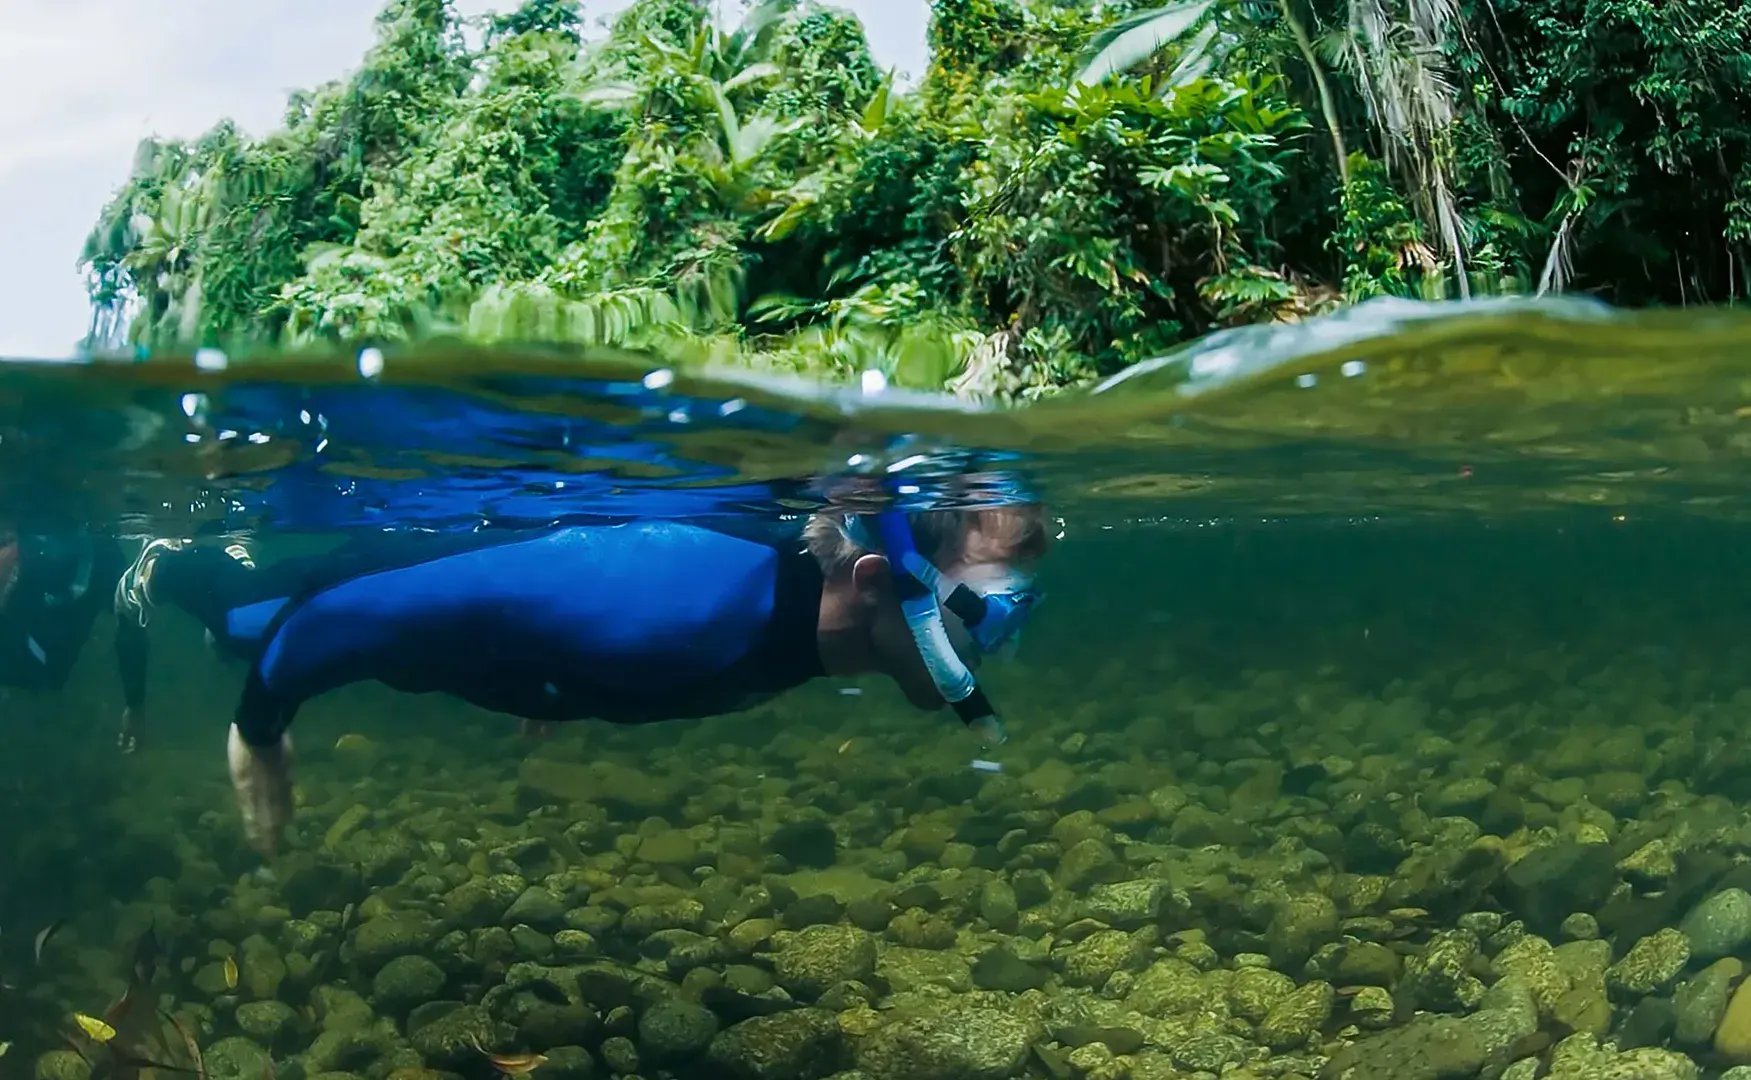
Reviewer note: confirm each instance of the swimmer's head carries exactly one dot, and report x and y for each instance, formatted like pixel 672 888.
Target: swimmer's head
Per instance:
pixel 992 551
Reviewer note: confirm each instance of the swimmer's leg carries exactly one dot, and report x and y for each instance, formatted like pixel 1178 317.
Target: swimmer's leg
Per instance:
pixel 258 752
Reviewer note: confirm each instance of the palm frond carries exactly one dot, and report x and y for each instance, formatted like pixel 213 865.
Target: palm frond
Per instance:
pixel 1136 38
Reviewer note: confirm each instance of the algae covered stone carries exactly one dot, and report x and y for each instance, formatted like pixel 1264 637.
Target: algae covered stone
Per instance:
pixel 1548 884
pixel 1168 986
pixel 817 957
pixel 998 905
pixel 671 847
pixel 1651 963
pixel 1295 1018
pixel 1701 1001
pixel 951 1044
pixel 674 1031
pixel 481 901
pixel 1091 961
pixel 1254 990
pixel 270 1023
pixel 1127 905
pixel 999 968
pixel 1429 1047
pixel 1440 978
pixel 1300 925
pixel 802 1044
pixel 62 1065
pixel 567 1063
pixel 405 982
pixel 380 940
pixel 236 1059
pixel 537 906
pixel 452 1041
pixel 810 843
pixel 1720 925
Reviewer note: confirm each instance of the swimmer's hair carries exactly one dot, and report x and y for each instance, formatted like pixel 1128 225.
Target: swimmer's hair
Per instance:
pixel 1015 534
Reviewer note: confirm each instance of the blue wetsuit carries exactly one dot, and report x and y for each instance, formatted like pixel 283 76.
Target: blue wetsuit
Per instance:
pixel 626 623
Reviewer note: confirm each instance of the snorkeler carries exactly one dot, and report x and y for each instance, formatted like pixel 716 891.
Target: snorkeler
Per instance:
pixel 627 623
pixel 54 582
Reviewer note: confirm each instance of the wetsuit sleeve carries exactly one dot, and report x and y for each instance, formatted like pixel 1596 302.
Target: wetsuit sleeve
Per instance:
pixel 131 650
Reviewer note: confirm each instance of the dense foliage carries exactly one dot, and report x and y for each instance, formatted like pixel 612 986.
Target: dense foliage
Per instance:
pixel 1073 186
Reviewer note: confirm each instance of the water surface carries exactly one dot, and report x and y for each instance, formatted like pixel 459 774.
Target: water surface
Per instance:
pixel 1379 640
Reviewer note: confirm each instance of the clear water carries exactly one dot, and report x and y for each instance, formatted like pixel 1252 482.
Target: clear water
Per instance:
pixel 1358 629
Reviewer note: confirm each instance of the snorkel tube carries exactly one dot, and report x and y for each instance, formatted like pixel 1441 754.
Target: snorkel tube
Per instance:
pixel 917 583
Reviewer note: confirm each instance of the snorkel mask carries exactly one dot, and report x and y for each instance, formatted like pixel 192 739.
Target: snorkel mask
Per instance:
pixel 992 619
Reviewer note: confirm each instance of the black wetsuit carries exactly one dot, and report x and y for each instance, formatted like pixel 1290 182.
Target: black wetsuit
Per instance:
pixel 627 623
pixel 60 583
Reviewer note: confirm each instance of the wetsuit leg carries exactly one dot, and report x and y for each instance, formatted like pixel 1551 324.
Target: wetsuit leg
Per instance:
pixel 262 719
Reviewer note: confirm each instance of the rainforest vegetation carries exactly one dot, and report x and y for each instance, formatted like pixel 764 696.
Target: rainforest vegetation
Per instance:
pixel 1069 187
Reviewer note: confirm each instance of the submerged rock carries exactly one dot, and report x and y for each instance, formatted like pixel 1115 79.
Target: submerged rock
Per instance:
pixel 799 1045
pixel 566 1063
pixel 481 901
pixel 818 957
pixel 451 1041
pixel 235 1059
pixel 1427 1048
pixel 1548 884
pixel 404 982
pixel 271 1023
pixel 537 906
pixel 1301 924
pixel 1733 1036
pixel 379 940
pixel 675 1031
pixel 998 968
pixel 1701 1001
pixel 63 1065
pixel 1651 963
pixel 1720 925
pixel 805 844
pixel 1128 905
pixel 1295 1018
pixel 1440 977
pixel 953 1044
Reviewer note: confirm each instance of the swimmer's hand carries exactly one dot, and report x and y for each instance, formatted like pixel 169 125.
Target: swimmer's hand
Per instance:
pixel 990 731
pixel 262 778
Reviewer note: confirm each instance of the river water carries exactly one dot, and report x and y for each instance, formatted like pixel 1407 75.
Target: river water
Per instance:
pixel 1386 716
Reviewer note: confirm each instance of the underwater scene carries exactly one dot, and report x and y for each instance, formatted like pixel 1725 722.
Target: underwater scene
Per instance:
pixel 1382 712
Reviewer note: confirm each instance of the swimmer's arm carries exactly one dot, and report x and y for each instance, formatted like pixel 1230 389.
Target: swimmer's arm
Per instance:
pixel 131 653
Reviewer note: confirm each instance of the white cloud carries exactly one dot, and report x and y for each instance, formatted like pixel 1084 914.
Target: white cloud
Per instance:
pixel 82 81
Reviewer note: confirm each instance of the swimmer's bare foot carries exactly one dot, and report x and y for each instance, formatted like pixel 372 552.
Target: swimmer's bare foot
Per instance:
pixel 262 779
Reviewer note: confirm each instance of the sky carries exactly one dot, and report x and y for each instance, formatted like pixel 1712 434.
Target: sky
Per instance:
pixel 83 81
